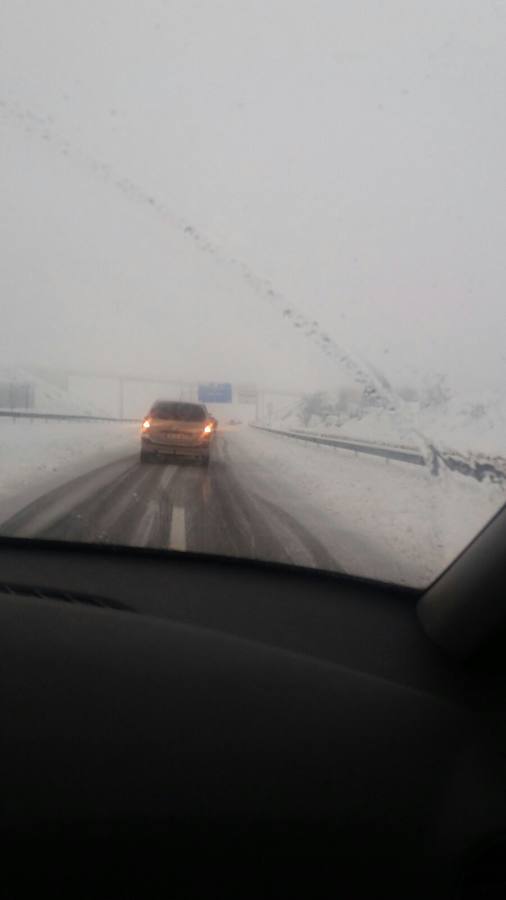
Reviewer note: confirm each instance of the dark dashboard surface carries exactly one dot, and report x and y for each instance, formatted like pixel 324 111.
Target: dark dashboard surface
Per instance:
pixel 229 699
pixel 370 626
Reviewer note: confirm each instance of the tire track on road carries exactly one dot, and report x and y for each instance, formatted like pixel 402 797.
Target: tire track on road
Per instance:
pixel 217 510
pixel 58 504
pixel 128 513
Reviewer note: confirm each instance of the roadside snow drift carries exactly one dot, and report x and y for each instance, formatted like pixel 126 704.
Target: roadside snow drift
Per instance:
pixel 380 519
pixel 34 454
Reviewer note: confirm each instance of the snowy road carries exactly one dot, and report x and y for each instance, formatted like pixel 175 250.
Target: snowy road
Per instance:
pixel 181 507
pixel 270 498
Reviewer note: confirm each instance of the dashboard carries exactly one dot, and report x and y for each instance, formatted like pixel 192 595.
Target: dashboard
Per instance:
pixel 217 716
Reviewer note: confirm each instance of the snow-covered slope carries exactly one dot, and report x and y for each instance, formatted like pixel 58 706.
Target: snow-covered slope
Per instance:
pixel 470 424
pixel 48 397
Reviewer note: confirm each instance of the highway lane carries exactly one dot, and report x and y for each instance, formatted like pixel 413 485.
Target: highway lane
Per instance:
pixel 176 505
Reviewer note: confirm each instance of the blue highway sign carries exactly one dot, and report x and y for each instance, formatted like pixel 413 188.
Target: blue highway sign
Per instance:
pixel 215 393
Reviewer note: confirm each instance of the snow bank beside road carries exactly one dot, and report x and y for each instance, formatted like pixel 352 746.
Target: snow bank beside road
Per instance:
pixel 380 519
pixel 46 397
pixel 473 425
pixel 35 454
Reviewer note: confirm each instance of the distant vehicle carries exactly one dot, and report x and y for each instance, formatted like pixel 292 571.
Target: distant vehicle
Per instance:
pixel 173 428
pixel 234 422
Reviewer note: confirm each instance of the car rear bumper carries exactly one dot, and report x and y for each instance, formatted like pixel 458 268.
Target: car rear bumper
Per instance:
pixel 188 450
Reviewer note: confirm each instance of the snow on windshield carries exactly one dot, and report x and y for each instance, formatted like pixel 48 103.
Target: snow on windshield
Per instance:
pixel 288 213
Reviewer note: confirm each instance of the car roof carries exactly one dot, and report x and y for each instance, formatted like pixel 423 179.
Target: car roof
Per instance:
pixel 194 403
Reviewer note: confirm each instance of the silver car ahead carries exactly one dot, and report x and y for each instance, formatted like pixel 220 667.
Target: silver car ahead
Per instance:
pixel 174 428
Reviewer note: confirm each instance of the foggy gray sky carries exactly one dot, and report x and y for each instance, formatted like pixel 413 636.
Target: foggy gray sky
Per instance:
pixel 351 152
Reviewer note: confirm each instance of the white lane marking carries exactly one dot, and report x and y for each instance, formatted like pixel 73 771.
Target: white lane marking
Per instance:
pixel 177 539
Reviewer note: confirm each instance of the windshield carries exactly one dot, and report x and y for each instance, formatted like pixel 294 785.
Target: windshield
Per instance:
pixel 281 219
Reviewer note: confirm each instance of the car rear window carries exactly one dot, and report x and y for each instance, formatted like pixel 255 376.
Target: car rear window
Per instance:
pixel 185 412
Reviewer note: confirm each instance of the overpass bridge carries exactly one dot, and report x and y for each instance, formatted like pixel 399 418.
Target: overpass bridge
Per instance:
pixel 262 397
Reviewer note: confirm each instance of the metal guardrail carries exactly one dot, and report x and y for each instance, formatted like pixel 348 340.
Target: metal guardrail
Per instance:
pixel 58 417
pixel 477 467
pixel 403 454
pixel 363 441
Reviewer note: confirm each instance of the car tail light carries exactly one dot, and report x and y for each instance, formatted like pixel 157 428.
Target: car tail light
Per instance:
pixel 208 429
pixel 146 424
